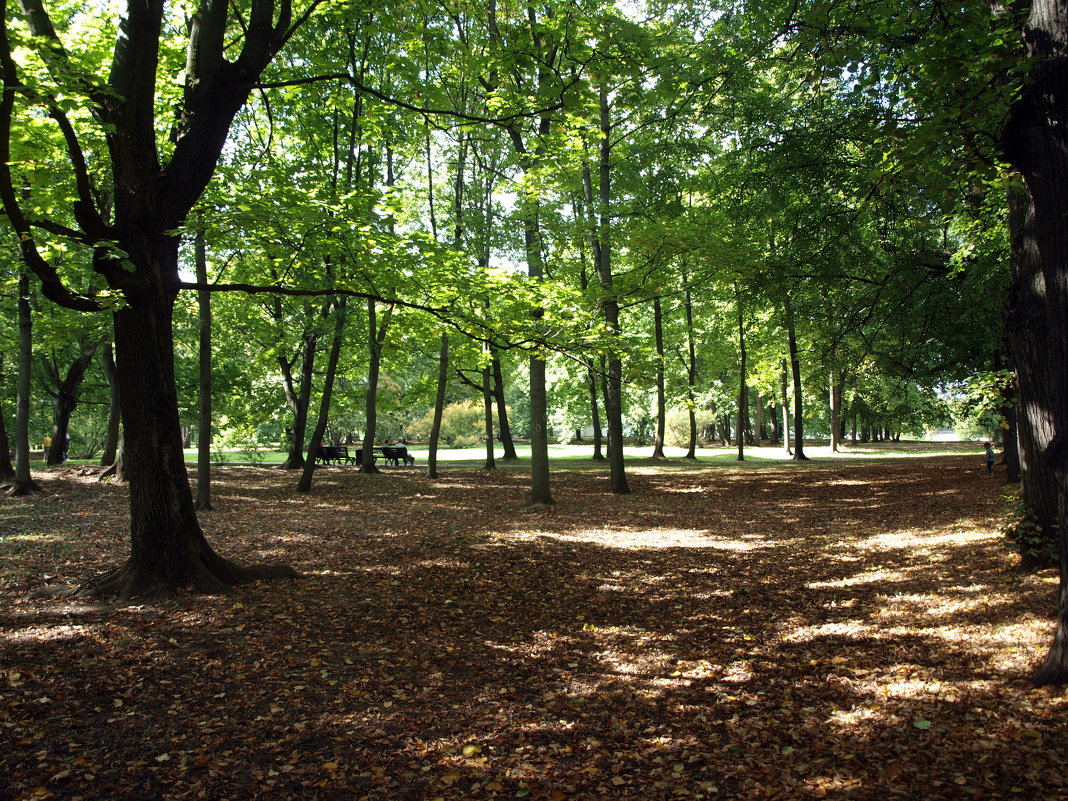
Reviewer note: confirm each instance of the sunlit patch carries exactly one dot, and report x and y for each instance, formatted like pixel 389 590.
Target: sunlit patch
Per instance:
pixel 867 577
pixel 45 633
pixel 653 539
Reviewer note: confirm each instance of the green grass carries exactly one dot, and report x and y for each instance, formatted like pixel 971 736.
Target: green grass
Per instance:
pixel 580 455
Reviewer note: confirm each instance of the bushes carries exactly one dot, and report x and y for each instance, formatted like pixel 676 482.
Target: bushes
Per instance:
pixel 463 425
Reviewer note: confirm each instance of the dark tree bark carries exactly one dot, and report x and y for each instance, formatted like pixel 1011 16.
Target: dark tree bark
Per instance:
pixel 148 201
pixel 1035 142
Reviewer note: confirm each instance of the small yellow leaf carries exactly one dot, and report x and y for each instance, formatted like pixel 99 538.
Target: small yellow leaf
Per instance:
pixel 471 750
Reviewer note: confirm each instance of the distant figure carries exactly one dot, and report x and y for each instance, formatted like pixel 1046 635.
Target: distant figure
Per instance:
pixel 66 447
pixel 990 456
pixel 47 445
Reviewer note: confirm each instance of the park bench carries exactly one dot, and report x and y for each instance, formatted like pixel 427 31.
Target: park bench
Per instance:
pixel 397 455
pixel 334 454
pixel 340 454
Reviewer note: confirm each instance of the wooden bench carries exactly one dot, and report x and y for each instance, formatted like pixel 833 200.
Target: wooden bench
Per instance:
pixel 340 454
pixel 334 454
pixel 397 455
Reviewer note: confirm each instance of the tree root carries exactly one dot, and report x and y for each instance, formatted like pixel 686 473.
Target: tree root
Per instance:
pixel 212 575
pixel 21 488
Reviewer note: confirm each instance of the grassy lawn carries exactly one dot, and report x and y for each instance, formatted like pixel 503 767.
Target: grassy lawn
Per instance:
pixel 577 455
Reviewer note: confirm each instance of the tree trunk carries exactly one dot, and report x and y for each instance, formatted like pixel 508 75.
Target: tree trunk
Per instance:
pixel 439 408
pixel 691 372
pixel 795 370
pixel 24 483
pixel 7 467
pixel 743 393
pixel 595 415
pixel 661 394
pixel 375 338
pixel 66 393
pixel 204 418
pixel 836 410
pixel 785 407
pixel 299 400
pixel 602 252
pixel 487 405
pixel 507 442
pixel 168 549
pixel 111 439
pixel 305 483
pixel 1035 142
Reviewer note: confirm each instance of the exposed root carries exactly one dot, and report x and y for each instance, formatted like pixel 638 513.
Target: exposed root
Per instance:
pixel 22 488
pixel 129 581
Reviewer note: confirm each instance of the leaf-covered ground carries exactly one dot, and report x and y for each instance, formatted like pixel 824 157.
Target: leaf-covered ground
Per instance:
pixel 829 630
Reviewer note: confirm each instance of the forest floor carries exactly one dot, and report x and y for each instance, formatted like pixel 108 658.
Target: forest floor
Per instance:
pixel 827 630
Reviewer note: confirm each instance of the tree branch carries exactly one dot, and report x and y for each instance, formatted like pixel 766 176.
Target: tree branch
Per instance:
pixel 51 284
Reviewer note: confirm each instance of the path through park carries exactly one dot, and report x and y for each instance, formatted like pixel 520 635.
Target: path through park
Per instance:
pixel 829 630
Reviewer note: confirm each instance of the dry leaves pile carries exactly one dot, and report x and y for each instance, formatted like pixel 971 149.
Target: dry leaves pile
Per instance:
pixel 817 631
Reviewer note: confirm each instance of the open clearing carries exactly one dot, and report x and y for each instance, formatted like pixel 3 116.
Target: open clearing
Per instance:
pixel 831 630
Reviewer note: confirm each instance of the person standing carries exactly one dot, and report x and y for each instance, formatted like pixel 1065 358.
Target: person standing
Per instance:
pixel 990 456
pixel 47 444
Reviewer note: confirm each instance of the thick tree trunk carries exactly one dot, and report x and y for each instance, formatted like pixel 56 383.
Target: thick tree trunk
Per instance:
pixel 439 408
pixel 168 550
pixel 1035 142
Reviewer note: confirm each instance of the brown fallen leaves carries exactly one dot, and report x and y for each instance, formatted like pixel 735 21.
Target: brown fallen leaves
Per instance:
pixel 828 630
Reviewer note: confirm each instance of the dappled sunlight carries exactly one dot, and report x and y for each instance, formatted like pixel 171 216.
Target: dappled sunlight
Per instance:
pixel 44 633
pixel 651 539
pixel 722 632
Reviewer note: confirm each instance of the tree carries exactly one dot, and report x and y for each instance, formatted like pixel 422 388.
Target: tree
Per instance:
pixel 1035 143
pixel 126 220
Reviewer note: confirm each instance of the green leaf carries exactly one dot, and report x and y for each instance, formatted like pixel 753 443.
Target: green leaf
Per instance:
pixel 922 724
